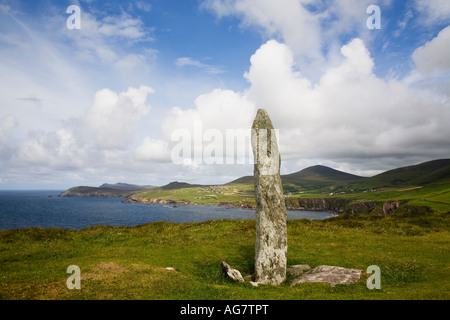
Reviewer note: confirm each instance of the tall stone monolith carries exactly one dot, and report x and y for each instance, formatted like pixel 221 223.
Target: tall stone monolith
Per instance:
pixel 271 233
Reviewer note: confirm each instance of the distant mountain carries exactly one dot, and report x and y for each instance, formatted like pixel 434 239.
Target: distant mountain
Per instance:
pixel 319 174
pixel 106 190
pixel 178 185
pixel 94 192
pixel 123 186
pixel 322 177
pixel 316 178
pixel 310 178
pixel 242 180
pixel 436 171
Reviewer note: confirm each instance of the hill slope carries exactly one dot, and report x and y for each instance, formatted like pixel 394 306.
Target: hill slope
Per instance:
pixel 322 177
pixel 436 171
pixel 123 186
pixel 317 177
pixel 94 192
pixel 179 185
pixel 314 177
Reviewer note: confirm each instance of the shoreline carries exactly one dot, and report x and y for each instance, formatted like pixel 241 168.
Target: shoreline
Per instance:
pixel 291 205
pixel 335 206
pixel 229 205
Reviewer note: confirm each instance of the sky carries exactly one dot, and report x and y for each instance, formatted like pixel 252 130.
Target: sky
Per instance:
pixel 146 92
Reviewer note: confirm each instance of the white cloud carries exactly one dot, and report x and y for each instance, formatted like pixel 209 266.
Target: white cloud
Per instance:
pixel 7 148
pixel 112 116
pixel 404 22
pixel 144 6
pixel 39 84
pixel 102 138
pixel 219 109
pixel 7 123
pixel 51 150
pixel 205 127
pixel 349 114
pixel 113 27
pixel 130 61
pixel 96 40
pixel 287 19
pixel 122 26
pixel 311 29
pixel 433 11
pixel 153 149
pixel 188 61
pixel 434 57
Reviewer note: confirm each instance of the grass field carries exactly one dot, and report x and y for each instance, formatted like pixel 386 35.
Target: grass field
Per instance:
pixel 435 196
pixel 412 252
pixel 204 195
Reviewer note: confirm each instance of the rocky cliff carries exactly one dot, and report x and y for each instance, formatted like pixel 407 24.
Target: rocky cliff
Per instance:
pixel 340 205
pixel 93 192
pixel 335 205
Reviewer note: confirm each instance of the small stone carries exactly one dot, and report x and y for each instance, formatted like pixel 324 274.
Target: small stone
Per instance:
pixel 231 273
pixel 254 284
pixel 170 269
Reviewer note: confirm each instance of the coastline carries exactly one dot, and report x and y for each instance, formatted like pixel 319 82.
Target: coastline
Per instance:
pixel 333 205
pixel 230 205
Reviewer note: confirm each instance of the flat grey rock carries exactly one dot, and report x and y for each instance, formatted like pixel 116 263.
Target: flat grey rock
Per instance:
pixel 329 274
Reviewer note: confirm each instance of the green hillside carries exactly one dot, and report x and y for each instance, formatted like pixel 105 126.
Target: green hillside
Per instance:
pixel 426 184
pixel 322 179
pixel 436 171
pixel 320 174
pixel 311 178
pixel 319 177
pixel 94 192
pixel 123 186
pixel 241 180
pixel 178 185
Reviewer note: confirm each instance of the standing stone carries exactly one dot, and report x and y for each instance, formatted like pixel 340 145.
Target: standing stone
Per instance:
pixel 271 233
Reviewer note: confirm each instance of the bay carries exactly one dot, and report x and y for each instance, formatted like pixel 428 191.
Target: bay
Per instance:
pixel 24 209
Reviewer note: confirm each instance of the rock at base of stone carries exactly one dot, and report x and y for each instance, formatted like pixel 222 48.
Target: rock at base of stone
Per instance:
pixel 329 274
pixel 297 270
pixel 231 273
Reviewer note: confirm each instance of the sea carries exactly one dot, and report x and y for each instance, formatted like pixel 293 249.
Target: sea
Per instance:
pixel 25 209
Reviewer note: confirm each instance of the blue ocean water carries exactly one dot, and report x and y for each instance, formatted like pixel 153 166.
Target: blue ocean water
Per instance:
pixel 23 209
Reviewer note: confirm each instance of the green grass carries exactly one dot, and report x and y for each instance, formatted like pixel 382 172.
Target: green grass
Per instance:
pixel 412 252
pixel 236 194
pixel 434 196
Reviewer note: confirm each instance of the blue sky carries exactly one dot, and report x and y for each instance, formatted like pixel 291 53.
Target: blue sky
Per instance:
pixel 100 104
